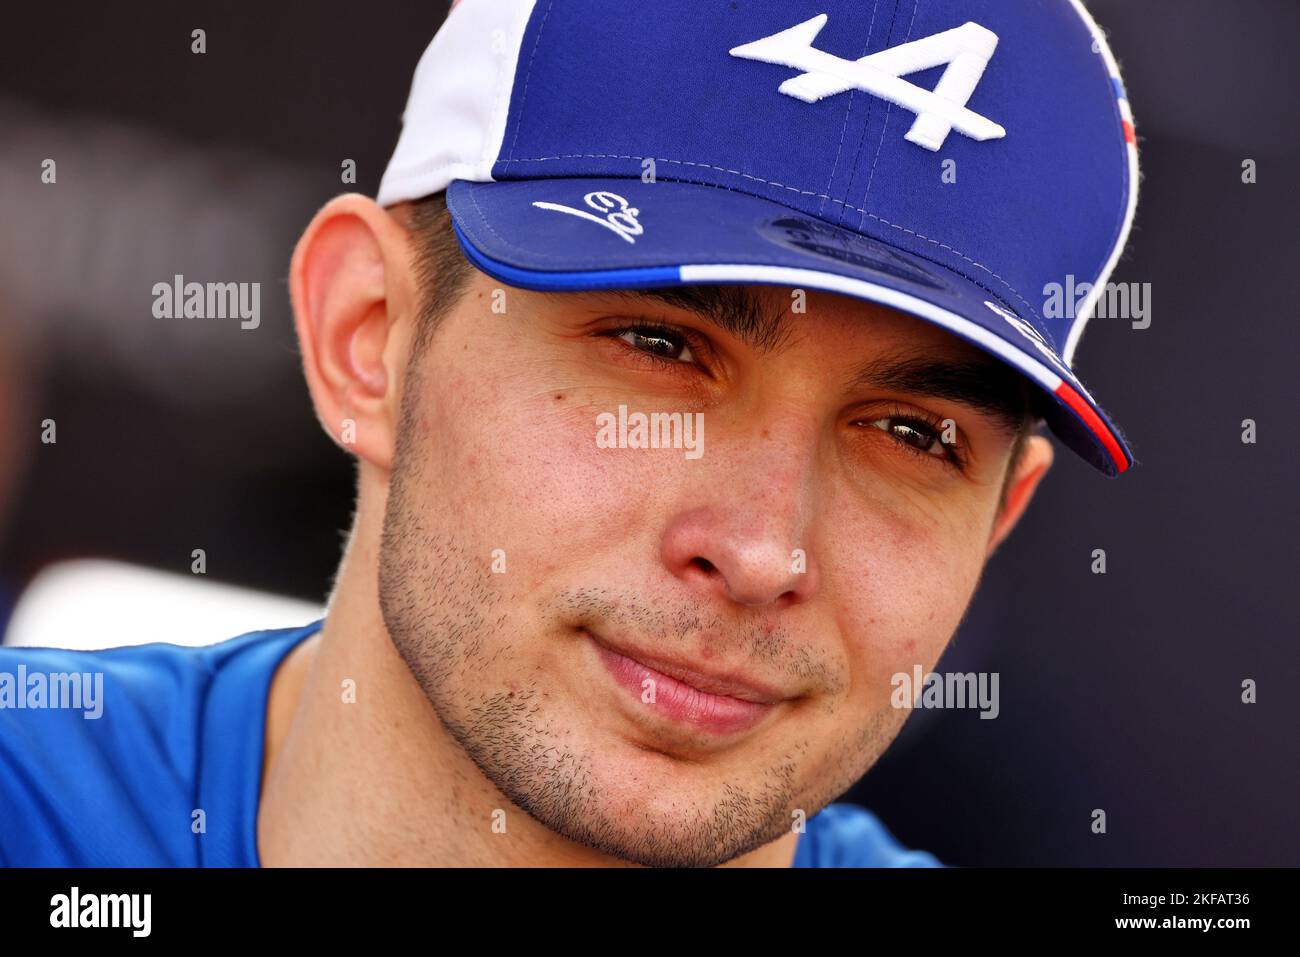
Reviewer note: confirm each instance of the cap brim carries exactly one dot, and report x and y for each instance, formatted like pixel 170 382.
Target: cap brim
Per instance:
pixel 546 235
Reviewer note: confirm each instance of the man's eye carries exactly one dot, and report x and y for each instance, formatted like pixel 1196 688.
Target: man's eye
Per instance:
pixel 915 434
pixel 661 343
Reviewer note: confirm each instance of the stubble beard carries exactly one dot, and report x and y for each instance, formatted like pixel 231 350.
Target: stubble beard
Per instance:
pixel 446 617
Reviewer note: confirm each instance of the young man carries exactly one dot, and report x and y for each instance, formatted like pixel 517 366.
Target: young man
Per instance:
pixel 691 359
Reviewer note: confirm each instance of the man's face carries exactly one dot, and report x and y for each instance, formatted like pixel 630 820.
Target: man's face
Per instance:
pixel 545 588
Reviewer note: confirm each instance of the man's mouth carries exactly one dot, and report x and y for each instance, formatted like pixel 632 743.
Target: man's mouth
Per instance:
pixel 720 704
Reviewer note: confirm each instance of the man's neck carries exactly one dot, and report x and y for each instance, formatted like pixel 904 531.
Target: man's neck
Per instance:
pixel 359 771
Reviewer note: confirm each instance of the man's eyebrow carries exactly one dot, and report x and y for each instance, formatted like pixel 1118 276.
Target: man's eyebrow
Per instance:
pixel 733 309
pixel 987 386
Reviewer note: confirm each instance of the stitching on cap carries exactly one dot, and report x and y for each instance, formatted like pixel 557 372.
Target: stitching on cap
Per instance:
pixel 888 113
pixel 830 181
pixel 871 112
pixel 801 192
pixel 529 74
pixel 499 102
pixel 478 210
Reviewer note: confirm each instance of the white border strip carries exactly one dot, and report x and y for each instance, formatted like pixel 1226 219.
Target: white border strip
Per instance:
pixel 1090 303
pixel 861 289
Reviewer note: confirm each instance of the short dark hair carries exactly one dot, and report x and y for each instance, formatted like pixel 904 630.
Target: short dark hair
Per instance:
pixel 441 269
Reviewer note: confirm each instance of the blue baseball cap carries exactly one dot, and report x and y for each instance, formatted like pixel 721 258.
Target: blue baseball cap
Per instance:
pixel 951 159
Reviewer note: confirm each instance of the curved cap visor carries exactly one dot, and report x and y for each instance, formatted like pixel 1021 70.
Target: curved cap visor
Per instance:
pixel 578 234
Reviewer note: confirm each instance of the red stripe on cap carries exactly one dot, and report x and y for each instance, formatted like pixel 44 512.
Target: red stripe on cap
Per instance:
pixel 1081 408
pixel 1129 135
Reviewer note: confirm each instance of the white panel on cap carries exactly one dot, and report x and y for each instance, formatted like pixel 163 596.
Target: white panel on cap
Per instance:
pixel 455 119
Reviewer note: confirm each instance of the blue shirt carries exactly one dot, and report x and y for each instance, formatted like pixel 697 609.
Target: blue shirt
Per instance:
pixel 162 765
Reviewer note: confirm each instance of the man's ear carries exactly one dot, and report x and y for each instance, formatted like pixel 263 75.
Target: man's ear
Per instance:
pixel 353 307
pixel 1035 460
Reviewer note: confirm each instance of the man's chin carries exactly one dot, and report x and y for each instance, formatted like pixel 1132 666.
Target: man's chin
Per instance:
pixel 644 810
pixel 710 841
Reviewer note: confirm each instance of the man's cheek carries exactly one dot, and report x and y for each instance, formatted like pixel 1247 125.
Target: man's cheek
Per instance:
pixel 911 591
pixel 531 468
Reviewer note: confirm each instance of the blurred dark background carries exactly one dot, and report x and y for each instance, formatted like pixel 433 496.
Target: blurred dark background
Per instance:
pixel 1119 691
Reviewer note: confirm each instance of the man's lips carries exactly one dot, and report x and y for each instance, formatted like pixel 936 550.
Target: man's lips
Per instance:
pixel 722 704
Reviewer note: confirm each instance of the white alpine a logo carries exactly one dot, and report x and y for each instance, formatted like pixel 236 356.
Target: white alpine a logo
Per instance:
pixel 966 49
pixel 620 218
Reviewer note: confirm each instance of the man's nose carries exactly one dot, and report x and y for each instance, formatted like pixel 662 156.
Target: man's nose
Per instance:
pixel 742 532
